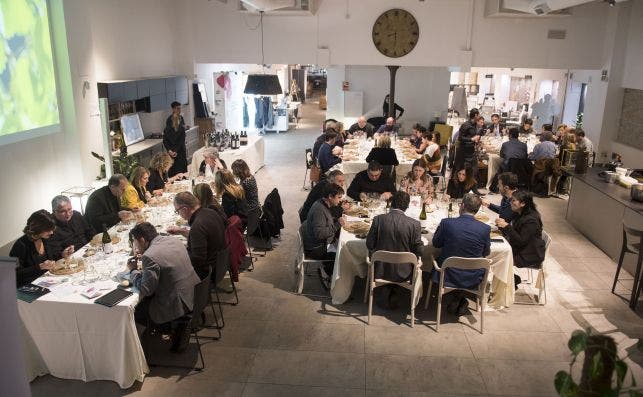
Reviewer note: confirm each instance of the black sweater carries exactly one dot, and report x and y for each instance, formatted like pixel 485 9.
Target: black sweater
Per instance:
pixel 29 260
pixel 525 237
pixel 362 184
pixel 76 232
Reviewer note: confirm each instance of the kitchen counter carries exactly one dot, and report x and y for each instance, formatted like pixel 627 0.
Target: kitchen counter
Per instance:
pixel 598 210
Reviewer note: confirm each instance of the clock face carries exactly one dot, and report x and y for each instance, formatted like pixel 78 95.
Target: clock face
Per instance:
pixel 395 33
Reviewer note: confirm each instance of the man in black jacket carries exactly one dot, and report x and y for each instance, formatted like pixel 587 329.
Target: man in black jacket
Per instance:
pixel 336 177
pixel 206 236
pixel 371 181
pixel 72 230
pixel 466 145
pixel 103 206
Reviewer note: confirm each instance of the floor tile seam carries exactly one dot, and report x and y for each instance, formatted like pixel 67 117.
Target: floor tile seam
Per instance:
pixel 289 384
pixel 419 355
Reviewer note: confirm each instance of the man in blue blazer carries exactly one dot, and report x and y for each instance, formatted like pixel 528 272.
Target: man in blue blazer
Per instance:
pixel 466 237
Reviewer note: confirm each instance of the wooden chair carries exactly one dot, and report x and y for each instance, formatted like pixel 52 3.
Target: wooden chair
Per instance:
pixel 456 262
pixel 392 259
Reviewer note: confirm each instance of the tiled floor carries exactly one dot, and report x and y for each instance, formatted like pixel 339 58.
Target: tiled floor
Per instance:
pixel 279 344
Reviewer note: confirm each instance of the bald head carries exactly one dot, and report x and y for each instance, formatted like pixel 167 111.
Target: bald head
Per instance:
pixel 390 121
pixel 361 121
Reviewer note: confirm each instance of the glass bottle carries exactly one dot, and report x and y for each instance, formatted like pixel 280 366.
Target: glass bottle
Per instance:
pixel 107 241
pixel 423 212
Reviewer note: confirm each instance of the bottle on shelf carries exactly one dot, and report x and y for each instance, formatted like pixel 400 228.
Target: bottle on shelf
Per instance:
pixel 107 241
pixel 423 212
pixel 244 138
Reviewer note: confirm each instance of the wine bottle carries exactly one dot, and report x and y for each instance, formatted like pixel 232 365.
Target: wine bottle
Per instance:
pixel 423 212
pixel 107 241
pixel 450 210
pixel 244 138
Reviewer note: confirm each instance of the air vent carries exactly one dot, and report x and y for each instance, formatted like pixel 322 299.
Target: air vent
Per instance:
pixel 556 34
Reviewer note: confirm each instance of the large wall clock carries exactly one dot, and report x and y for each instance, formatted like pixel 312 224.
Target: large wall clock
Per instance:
pixel 395 33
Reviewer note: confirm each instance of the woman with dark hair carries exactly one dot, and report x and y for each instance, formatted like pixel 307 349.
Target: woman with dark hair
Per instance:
pixel 461 183
pixel 241 171
pixel 203 192
pixel 418 183
pixel 232 195
pixel 524 233
pixel 33 260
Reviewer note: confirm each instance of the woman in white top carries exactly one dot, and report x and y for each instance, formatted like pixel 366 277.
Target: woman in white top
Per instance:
pixel 428 147
pixel 211 163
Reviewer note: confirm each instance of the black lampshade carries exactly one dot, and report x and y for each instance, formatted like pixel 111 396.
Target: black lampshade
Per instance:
pixel 263 84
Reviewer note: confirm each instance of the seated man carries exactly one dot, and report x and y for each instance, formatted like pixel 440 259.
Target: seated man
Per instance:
pixel 512 149
pixel 334 177
pixel 103 205
pixel 466 237
pixel 395 232
pixel 583 143
pixel 206 236
pixel 507 185
pixel 416 135
pixel 321 228
pixel 72 230
pixel 362 127
pixel 546 149
pixel 389 128
pixel 371 182
pixel 326 156
pixel 495 128
pixel 328 124
pixel 166 282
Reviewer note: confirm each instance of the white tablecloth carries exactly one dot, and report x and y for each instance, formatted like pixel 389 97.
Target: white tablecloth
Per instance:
pixel 69 336
pixel 350 168
pixel 492 146
pixel 252 153
pixel 352 252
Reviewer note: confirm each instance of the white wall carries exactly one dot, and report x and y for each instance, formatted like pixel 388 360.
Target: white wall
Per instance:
pixel 105 40
pixel 421 91
pixel 446 36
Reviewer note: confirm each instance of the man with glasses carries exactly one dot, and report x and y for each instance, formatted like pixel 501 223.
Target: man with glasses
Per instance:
pixel 72 230
pixel 371 182
pixel 206 236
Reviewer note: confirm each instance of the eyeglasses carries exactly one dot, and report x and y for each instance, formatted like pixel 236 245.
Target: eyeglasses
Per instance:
pixel 176 211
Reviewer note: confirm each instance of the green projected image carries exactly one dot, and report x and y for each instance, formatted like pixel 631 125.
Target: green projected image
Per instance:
pixel 27 81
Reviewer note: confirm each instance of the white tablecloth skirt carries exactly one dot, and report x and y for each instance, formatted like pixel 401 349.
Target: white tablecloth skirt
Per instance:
pixel 82 340
pixel 351 261
pixel 252 153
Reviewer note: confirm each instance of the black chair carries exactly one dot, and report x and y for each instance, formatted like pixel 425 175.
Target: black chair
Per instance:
pixel 523 168
pixel 201 300
pixel 254 230
pixel 630 246
pixel 220 270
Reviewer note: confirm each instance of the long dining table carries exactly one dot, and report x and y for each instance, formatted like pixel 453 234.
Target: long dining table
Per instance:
pixel 68 336
pixel 350 261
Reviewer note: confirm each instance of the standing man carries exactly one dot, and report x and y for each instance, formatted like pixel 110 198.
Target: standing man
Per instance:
pixel 466 237
pixel 583 143
pixel 103 205
pixel 466 144
pixel 174 140
pixel 362 127
pixel 206 236
pixel 72 230
pixel 166 282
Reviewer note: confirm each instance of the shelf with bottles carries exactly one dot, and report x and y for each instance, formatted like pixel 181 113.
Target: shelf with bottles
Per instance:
pixel 224 139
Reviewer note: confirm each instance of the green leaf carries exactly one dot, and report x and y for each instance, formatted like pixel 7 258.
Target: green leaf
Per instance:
pixel 578 342
pixel 565 385
pixel 597 365
pixel 621 371
pixel 639 345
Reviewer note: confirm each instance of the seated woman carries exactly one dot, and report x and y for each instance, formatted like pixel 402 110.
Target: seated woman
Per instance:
pixel 241 171
pixel 461 183
pixel 524 233
pixel 383 153
pixel 342 134
pixel 159 166
pixel 232 195
pixel 418 183
pixel 428 146
pixel 136 195
pixel 211 163
pixel 33 260
pixel 203 192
